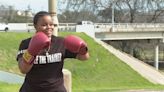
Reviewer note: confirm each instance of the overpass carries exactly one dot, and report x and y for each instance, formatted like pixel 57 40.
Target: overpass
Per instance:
pixel 126 31
pixel 118 31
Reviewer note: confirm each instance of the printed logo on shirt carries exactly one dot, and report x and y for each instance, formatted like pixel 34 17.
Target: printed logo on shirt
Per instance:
pixel 44 59
pixel 52 58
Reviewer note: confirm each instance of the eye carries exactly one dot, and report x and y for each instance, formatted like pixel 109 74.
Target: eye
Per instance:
pixel 43 25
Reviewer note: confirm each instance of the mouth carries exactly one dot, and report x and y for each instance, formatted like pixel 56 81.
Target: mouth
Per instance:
pixel 48 33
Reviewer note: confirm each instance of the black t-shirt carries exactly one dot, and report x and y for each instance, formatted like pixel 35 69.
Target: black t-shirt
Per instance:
pixel 46 74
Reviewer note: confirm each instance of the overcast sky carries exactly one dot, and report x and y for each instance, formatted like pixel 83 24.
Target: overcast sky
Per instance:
pixel 36 5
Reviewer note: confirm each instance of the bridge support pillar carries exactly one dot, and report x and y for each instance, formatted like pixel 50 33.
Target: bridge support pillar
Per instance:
pixel 156 57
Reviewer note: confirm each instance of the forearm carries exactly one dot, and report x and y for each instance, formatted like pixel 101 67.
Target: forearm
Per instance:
pixel 83 57
pixel 23 66
pixel 37 43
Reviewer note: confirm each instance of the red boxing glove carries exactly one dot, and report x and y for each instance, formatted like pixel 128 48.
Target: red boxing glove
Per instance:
pixel 38 42
pixel 75 44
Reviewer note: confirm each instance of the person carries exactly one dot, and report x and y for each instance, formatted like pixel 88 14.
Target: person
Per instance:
pixel 41 57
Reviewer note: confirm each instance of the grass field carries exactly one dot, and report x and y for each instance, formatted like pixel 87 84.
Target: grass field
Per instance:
pixel 4 87
pixel 103 72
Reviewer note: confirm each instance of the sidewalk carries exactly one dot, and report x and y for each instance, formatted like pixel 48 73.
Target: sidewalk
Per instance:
pixel 145 70
pixel 11 78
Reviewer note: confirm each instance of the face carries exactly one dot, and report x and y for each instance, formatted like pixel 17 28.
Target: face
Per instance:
pixel 45 24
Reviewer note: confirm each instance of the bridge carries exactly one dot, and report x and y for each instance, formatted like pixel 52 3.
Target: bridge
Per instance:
pixel 118 31
pixel 123 31
pixel 126 31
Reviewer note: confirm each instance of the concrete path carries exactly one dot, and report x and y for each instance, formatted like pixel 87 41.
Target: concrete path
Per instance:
pixel 11 78
pixel 145 70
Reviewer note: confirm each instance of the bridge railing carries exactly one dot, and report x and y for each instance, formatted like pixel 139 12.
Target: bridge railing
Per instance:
pixel 67 27
pixel 126 27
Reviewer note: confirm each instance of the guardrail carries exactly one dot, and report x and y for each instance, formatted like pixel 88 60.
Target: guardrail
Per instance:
pixel 132 24
pixel 127 27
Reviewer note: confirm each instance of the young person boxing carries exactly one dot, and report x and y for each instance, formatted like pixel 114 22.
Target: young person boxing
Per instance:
pixel 41 57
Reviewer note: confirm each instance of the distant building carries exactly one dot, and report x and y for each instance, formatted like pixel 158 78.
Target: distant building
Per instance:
pixel 25 13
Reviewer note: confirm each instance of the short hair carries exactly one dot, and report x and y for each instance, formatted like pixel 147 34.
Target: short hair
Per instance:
pixel 39 15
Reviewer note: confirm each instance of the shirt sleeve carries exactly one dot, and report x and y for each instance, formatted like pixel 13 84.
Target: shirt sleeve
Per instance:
pixel 69 54
pixel 21 50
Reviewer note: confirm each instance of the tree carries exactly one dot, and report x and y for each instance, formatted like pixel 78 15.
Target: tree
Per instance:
pixel 126 11
pixel 155 10
pixel 75 16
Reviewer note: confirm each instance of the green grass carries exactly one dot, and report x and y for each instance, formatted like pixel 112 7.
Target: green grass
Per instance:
pixel 103 72
pixel 9 43
pixel 4 87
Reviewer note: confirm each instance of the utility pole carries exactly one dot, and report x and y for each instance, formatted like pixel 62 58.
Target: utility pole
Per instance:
pixel 52 5
pixel 113 6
